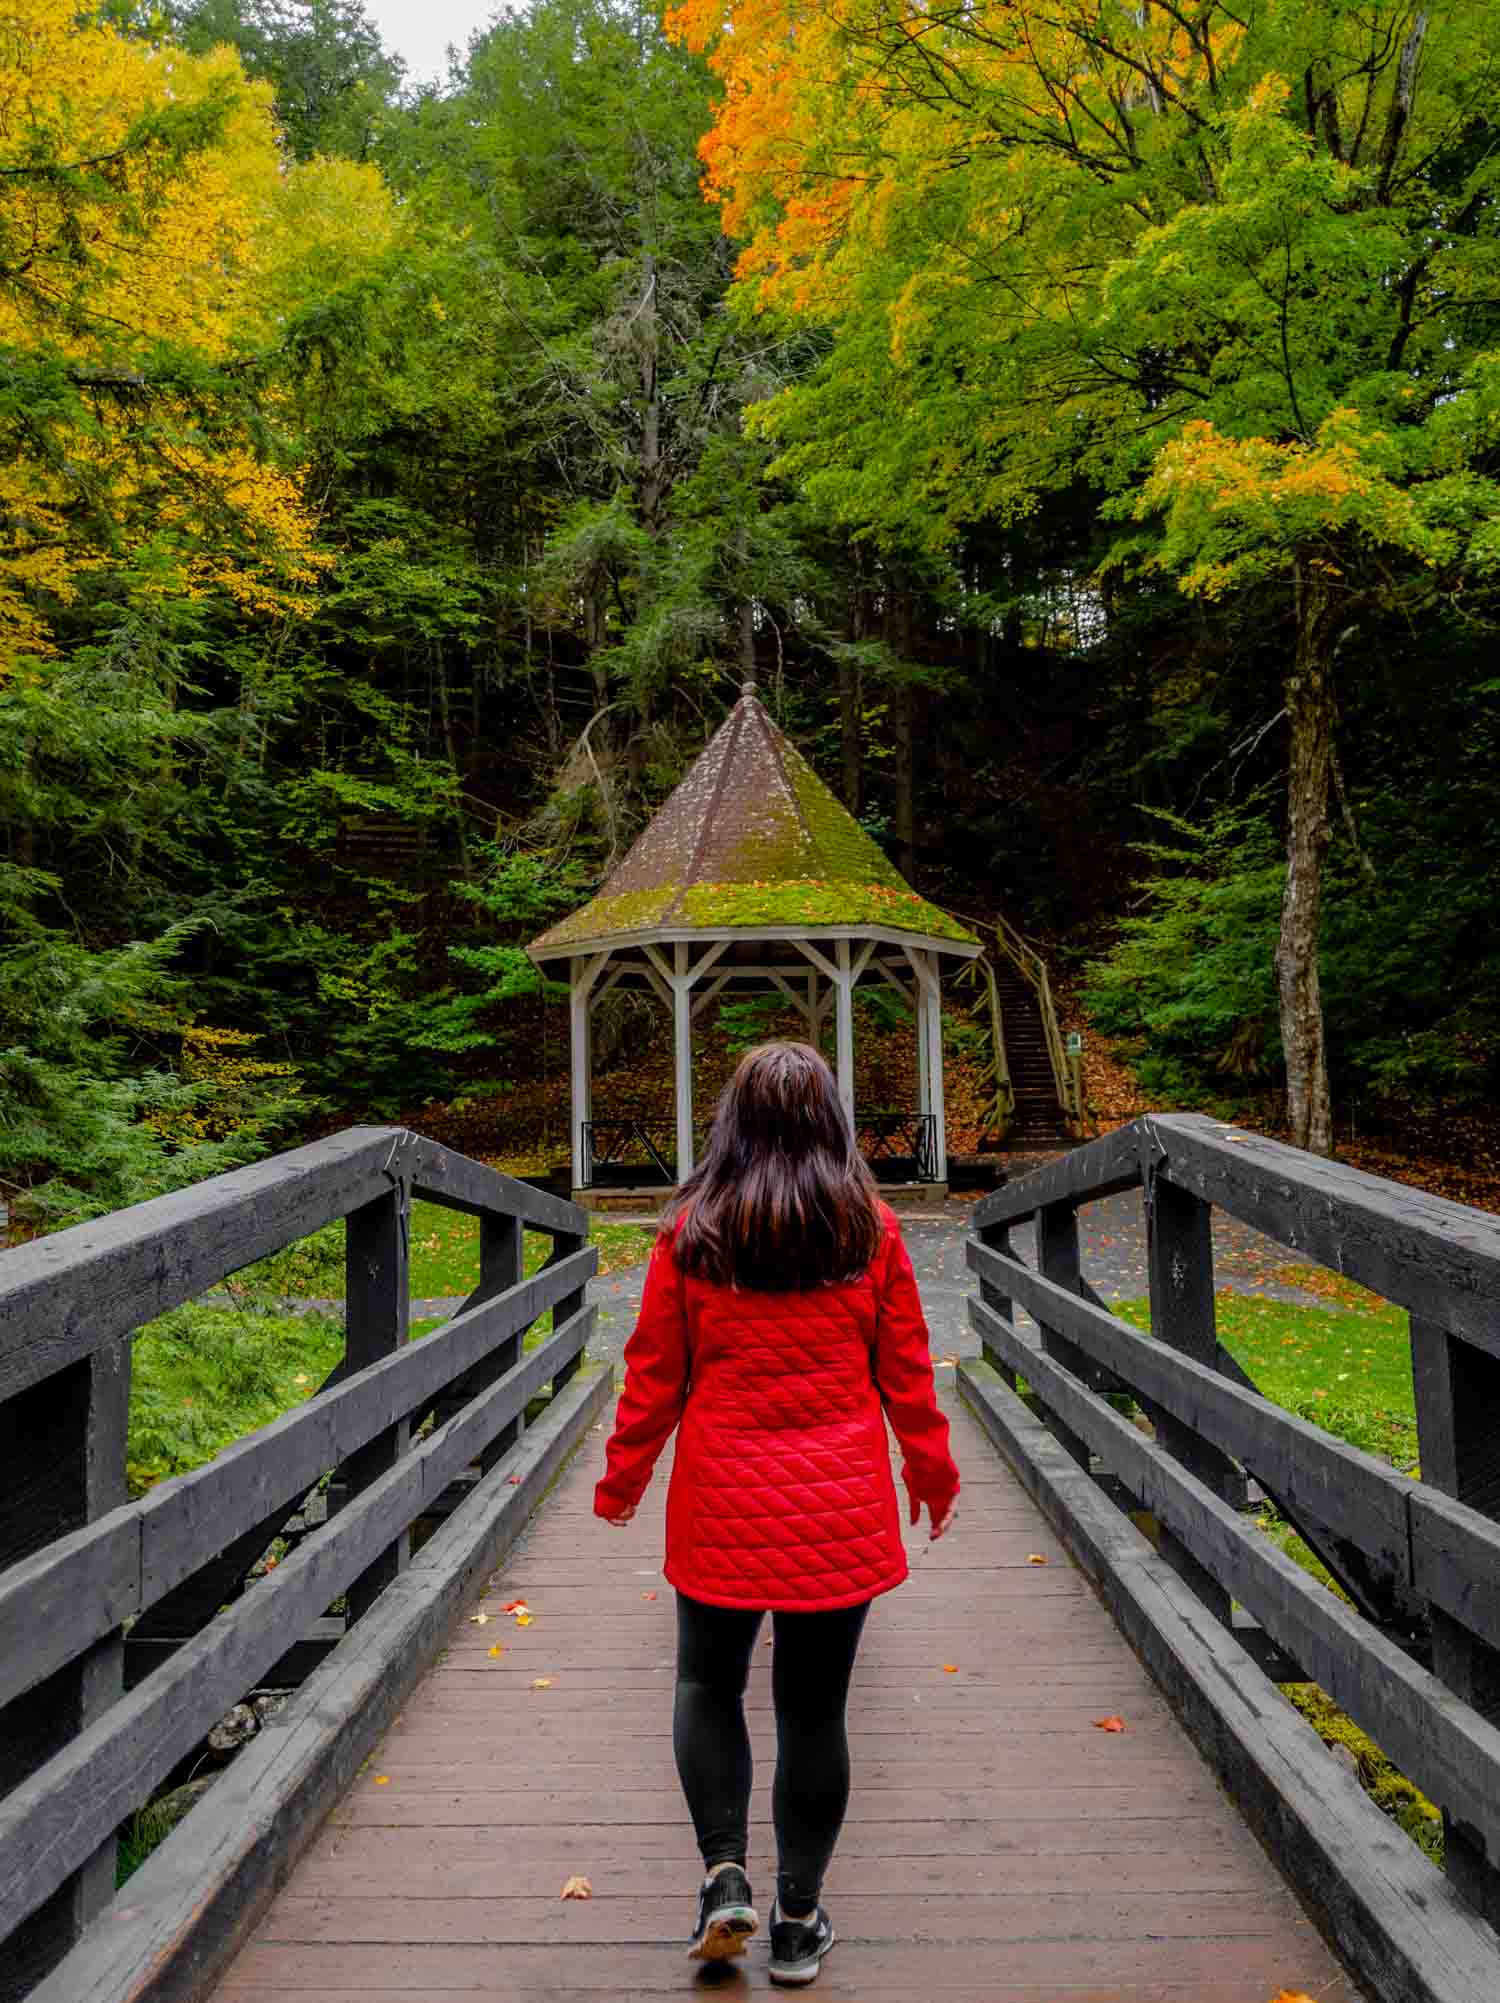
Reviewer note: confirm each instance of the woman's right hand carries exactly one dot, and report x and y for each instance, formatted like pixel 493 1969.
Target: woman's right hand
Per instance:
pixel 942 1522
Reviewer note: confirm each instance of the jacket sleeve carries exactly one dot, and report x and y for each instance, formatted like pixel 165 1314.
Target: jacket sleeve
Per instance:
pixel 903 1375
pixel 656 1379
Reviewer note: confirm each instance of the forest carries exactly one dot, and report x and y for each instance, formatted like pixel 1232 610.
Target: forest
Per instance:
pixel 1082 420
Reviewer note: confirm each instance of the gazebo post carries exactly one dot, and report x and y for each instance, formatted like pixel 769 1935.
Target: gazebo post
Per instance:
pixel 844 1034
pixel 924 1054
pixel 583 972
pixel 682 1057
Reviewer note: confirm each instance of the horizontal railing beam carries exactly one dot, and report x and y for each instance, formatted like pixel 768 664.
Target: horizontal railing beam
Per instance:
pixel 1446 1747
pixel 54 1819
pixel 1435 1257
pixel 66 1295
pixel 1099 1168
pixel 1345 1490
pixel 56 1603
pixel 460 1183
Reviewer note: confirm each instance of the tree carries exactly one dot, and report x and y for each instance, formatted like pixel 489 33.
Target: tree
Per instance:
pixel 1233 270
pixel 333 77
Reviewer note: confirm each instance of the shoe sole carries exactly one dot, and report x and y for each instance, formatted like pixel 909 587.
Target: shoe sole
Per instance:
pixel 797 1974
pixel 725 1935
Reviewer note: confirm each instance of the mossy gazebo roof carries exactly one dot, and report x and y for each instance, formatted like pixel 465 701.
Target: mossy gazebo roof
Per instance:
pixel 754 877
pixel 750 840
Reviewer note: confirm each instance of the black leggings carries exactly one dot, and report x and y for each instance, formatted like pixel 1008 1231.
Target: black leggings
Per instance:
pixel 811 1663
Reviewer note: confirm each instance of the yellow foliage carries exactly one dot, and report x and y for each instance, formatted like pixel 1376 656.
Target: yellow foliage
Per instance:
pixel 146 209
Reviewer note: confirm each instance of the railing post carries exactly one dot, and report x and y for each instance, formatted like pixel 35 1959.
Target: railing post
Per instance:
pixel 377 1307
pixel 501 1260
pixel 1180 1261
pixel 997 1237
pixel 62 1446
pixel 563 1246
pixel 1457 1391
pixel 1057 1260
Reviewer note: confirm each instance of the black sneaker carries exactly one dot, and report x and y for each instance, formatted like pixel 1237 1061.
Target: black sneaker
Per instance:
pixel 798 1946
pixel 726 1918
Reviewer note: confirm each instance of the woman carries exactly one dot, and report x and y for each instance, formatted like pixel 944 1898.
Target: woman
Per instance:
pixel 780 1316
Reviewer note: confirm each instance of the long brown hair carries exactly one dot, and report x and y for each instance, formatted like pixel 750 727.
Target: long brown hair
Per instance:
pixel 783 1199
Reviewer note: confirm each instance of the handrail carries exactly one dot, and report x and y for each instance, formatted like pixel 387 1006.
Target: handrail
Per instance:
pixel 93 1563
pixel 1412 1647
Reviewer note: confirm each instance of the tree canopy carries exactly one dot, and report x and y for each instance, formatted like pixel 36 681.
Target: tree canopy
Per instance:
pixel 1079 419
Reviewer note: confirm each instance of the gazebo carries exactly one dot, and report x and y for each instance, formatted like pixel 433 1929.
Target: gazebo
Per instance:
pixel 754 878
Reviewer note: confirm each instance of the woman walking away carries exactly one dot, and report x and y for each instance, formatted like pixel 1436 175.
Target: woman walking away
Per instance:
pixel 780 1318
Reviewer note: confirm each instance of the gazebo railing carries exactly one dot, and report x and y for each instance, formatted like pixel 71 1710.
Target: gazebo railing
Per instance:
pixel 883 1137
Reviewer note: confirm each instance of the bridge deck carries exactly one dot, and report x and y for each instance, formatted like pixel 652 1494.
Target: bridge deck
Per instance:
pixel 999 1846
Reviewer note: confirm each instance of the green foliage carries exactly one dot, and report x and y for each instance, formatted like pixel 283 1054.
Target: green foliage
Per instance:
pixel 203 1376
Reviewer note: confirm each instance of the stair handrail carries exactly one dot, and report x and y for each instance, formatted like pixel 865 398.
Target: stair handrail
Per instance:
pixel 1000 1113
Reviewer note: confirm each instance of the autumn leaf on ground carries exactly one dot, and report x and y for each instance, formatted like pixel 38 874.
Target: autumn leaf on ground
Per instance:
pixel 497 1649
pixel 479 1620
pixel 1035 1558
pixel 648 1596
pixel 577 1888
pixel 950 1669
pixel 382 1780
pixel 1109 1724
pixel 515 1607
pixel 1291 1996
pixel 541 1682
pixel 523 1620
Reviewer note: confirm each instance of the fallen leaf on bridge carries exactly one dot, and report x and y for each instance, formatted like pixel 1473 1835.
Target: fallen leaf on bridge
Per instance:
pixel 515 1607
pixel 648 1596
pixel 1035 1558
pixel 1109 1724
pixel 479 1620
pixel 523 1620
pixel 950 1669
pixel 1292 1996
pixel 382 1780
pixel 497 1649
pixel 577 1888
pixel 541 1682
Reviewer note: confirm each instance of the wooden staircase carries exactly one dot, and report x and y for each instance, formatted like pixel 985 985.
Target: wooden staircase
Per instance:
pixel 1039 1114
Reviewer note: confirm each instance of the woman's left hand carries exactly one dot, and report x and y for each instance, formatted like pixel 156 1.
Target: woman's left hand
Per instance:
pixel 619 1522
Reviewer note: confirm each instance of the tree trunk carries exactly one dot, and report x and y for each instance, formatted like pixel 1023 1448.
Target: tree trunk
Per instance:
pixel 903 734
pixel 1309 702
pixel 849 705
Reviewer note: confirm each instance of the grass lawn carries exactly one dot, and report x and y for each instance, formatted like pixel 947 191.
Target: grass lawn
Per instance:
pixel 1345 1367
pixel 205 1375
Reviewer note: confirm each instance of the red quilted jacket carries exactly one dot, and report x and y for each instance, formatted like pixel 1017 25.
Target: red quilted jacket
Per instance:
pixel 781 1494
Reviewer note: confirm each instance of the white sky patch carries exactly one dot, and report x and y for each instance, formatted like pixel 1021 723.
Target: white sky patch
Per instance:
pixel 419 31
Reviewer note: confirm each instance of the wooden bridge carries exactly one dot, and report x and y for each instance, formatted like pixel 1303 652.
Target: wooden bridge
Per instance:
pixel 404 1825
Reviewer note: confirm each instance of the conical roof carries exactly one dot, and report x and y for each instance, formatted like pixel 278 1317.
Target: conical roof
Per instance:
pixel 751 839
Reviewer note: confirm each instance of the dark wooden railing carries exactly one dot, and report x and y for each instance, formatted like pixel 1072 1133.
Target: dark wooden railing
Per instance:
pixel 129 1628
pixel 1412 1654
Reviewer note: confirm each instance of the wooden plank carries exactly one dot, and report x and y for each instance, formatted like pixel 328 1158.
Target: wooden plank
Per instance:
pixel 1099 1168
pixel 459 1183
pixel 197 1896
pixel 68 1463
pixel 377 1295
pixel 183 1522
pixel 1458 1436
pixel 64 1296
pixel 1406 1935
pixel 51 1822
pixel 1451 1752
pixel 1358 1497
pixel 493 1784
pixel 1438 1258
